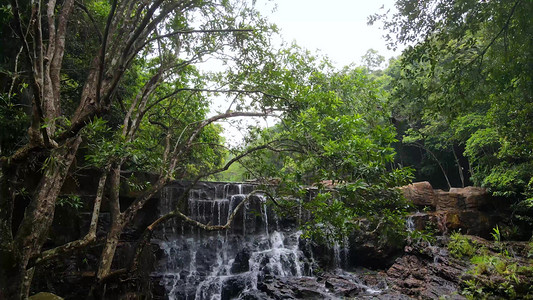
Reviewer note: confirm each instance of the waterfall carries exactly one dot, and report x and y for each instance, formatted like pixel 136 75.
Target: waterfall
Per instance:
pixel 196 264
pixel 410 224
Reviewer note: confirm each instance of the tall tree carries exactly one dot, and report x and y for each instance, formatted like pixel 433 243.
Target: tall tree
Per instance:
pixel 149 46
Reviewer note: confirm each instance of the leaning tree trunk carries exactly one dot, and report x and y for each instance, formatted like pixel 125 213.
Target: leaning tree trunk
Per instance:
pixel 117 225
pixel 38 218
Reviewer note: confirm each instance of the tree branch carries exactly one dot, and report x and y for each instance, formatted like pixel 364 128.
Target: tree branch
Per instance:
pixel 506 25
pixel 178 32
pixel 101 64
pixel 90 237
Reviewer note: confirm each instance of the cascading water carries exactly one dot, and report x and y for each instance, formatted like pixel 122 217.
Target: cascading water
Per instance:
pixel 199 265
pixel 232 264
pixel 410 224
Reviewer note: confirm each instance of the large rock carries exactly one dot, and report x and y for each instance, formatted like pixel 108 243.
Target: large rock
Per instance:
pixel 241 263
pixel 425 272
pixel 419 193
pixel 470 210
pixel 343 287
pixel 474 197
pixel 471 221
pixel 293 288
pixel 448 201
pixel 470 197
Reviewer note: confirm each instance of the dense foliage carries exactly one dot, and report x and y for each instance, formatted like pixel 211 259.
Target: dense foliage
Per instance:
pixel 337 133
pixel 493 270
pixel 462 92
pixel 117 87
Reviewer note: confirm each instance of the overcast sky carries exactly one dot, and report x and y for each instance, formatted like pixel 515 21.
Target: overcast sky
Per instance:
pixel 338 28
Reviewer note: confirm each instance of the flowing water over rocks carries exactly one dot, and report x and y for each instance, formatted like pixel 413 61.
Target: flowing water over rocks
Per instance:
pixel 260 257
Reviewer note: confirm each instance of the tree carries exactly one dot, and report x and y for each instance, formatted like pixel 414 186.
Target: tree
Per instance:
pixel 372 60
pixel 140 79
pixel 468 70
pixel 337 131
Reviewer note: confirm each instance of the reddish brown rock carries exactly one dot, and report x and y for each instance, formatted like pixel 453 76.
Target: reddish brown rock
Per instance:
pixel 473 197
pixel 423 194
pixel 449 201
pixel 424 274
pixel 419 193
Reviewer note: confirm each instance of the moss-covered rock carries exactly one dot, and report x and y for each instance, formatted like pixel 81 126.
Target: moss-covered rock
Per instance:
pixel 45 296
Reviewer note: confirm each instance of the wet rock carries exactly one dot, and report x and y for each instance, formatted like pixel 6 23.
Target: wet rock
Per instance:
pixel 45 296
pixel 343 287
pixel 293 288
pixel 241 263
pixel 426 272
pixel 366 250
pixel 425 220
pixel 205 258
pixel 253 295
pixel 232 287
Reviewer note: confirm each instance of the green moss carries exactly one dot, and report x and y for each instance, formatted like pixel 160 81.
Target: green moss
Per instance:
pixel 45 296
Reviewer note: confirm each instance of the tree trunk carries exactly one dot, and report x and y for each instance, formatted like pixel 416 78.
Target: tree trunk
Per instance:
pixel 117 225
pixel 106 259
pixel 459 167
pixel 38 218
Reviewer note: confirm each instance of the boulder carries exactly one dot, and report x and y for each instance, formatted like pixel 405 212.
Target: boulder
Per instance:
pixel 426 273
pixel 419 193
pixel 471 221
pixel 470 197
pixel 241 262
pixel 449 201
pixel 474 197
pixel 343 287
pixel 232 287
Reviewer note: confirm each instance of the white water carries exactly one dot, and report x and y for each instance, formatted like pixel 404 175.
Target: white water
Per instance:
pixel 410 224
pixel 213 265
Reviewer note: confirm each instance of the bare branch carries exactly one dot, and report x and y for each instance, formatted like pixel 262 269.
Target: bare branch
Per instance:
pixel 177 213
pixel 101 64
pixel 178 32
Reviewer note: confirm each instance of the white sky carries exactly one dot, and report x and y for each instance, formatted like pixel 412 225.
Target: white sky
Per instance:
pixel 335 28
pixel 338 28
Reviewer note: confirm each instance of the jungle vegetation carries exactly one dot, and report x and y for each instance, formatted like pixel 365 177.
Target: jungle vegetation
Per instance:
pixel 118 87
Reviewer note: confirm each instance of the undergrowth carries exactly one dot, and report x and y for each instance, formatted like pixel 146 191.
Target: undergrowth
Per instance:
pixel 492 274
